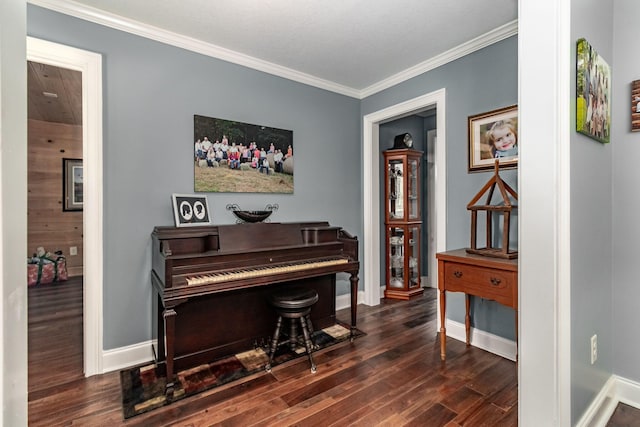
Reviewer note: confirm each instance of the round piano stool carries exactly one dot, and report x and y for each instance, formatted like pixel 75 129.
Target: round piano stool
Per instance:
pixel 293 305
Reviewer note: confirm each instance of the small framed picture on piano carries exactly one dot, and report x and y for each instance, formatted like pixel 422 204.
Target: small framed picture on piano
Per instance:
pixel 190 210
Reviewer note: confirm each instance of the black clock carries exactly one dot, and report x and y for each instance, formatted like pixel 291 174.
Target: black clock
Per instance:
pixel 404 140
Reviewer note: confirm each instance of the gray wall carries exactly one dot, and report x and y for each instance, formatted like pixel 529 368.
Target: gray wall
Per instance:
pixel 591 226
pixel 151 92
pixel 626 175
pixel 476 83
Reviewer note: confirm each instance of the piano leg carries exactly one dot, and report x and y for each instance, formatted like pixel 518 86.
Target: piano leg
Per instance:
pixel 170 327
pixel 354 303
pixel 160 354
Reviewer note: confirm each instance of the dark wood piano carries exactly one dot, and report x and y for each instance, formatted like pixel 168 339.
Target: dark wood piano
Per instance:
pixel 212 284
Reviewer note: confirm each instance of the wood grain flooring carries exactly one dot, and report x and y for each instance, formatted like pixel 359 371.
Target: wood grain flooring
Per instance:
pixel 393 376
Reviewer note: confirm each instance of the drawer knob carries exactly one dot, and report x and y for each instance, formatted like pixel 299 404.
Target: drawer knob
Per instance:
pixel 495 281
pixel 458 274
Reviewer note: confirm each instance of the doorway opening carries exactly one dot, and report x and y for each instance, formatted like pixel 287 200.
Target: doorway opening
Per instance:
pixel 371 183
pixel 54 225
pixel 89 64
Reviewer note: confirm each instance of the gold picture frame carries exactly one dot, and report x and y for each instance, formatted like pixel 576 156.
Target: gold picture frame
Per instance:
pixel 493 135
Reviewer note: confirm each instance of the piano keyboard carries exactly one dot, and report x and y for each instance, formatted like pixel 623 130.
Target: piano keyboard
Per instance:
pixel 262 271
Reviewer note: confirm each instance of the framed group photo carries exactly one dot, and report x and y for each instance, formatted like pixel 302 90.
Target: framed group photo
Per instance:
pixel 493 135
pixel 236 157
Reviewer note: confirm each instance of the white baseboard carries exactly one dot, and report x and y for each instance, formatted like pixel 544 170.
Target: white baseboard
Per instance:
pixel 484 340
pixel 344 301
pixel 136 354
pixel 428 283
pixel 125 357
pixel 616 390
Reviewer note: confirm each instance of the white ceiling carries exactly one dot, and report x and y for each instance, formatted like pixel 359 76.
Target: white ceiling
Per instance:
pixel 353 45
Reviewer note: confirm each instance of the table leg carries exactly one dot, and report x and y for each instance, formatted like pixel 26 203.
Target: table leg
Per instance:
pixel 467 319
pixel 170 327
pixel 443 329
pixel 354 304
pixel 516 336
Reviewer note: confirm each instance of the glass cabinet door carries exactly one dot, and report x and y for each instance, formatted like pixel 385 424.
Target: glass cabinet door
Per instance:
pixel 404 254
pixel 412 189
pixel 413 251
pixel 396 189
pixel 395 274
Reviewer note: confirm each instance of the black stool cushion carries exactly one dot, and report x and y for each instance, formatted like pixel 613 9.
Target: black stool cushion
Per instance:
pixel 294 298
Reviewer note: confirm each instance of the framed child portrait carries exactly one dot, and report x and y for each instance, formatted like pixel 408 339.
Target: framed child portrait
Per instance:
pixel 493 135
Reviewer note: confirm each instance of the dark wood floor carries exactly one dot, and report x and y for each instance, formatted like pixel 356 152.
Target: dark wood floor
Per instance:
pixel 393 376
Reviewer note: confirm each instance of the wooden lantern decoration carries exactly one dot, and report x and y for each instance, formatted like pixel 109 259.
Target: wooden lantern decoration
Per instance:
pixel 504 208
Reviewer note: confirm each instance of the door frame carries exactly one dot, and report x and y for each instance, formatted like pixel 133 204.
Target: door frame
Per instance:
pixel 90 65
pixel 371 183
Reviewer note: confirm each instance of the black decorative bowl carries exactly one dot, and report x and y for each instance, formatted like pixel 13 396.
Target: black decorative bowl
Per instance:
pixel 252 216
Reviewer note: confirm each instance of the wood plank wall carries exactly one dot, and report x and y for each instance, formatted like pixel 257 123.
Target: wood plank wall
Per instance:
pixel 48 225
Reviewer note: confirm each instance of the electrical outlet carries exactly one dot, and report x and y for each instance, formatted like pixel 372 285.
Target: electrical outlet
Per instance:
pixel 594 349
pixel 73 250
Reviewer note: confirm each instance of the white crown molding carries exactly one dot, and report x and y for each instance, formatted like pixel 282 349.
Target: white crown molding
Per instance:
pixel 117 22
pixel 97 16
pixel 493 36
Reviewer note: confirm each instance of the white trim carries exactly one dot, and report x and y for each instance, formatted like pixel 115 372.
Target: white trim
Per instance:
pixel 627 391
pixel 493 36
pixel 563 215
pixel 544 276
pixel 344 300
pixel 484 340
pixel 117 22
pixel 136 354
pixel 131 26
pixel 615 390
pixel 128 356
pixel 371 183
pixel 90 64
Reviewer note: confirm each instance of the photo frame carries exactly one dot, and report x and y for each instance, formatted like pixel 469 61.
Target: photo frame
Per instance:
pixel 72 185
pixel 493 135
pixel 635 106
pixel 235 157
pixel 190 210
pixel 593 93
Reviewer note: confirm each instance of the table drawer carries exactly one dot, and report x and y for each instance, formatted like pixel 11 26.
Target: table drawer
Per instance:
pixel 489 283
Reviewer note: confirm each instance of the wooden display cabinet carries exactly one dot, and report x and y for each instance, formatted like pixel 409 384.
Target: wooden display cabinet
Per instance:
pixel 403 223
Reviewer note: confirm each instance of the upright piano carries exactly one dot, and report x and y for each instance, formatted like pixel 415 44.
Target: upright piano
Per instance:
pixel 212 284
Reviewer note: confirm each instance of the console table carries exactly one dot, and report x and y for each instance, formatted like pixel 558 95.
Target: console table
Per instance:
pixel 482 276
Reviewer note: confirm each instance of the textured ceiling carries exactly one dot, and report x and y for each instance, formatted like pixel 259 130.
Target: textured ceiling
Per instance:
pixel 351 43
